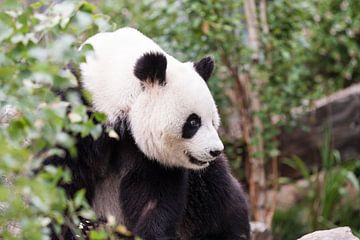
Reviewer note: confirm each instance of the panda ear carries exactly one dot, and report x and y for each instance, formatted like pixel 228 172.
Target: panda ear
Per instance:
pixel 151 68
pixel 205 67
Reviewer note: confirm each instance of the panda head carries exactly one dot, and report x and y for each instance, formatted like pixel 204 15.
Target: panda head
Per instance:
pixel 174 119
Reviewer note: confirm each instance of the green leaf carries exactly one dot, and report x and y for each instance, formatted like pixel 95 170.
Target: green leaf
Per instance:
pixel 37 4
pixel 10 5
pixel 100 117
pixel 298 164
pixel 98 235
pixel 79 198
pixel 5 31
pixel 354 180
pixel 87 7
pixel 4 193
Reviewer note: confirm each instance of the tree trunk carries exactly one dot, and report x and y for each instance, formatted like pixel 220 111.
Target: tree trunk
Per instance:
pixel 253 125
pixel 246 99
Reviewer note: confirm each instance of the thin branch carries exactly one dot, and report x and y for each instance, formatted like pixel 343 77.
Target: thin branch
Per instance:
pixel 263 17
pixel 252 23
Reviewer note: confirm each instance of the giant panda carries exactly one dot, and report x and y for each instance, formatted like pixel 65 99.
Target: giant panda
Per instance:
pixel 164 176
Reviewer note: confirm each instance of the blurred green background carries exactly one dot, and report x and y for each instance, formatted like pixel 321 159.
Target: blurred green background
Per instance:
pixel 306 50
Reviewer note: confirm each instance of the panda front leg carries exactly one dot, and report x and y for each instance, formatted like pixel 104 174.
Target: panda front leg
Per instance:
pixel 217 208
pixel 153 200
pixel 234 215
pixel 235 219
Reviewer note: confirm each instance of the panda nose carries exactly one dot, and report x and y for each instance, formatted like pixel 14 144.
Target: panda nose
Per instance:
pixel 215 153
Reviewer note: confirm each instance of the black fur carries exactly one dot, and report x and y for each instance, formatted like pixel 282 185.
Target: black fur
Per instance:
pixel 151 67
pixel 158 202
pixel 191 126
pixel 205 67
pixel 216 207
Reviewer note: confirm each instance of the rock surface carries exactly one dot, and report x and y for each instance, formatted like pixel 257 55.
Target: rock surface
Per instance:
pixel 341 233
pixel 338 113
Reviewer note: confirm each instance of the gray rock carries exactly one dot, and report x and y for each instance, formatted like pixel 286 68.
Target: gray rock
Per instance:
pixel 340 233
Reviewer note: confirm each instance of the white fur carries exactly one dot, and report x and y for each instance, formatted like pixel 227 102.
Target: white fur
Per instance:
pixel 108 73
pixel 156 113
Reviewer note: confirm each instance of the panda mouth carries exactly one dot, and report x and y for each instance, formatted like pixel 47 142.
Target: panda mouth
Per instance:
pixel 196 161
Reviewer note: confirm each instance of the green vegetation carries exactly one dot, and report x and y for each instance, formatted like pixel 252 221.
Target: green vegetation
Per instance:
pixel 312 49
pixel 331 197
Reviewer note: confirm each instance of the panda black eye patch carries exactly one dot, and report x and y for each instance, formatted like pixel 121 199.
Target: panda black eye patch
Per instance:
pixel 191 126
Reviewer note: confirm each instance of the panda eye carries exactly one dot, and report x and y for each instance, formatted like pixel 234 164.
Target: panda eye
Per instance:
pixel 191 126
pixel 195 123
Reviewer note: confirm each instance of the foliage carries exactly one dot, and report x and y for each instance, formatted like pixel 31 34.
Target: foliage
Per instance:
pixel 288 224
pixel 331 199
pixel 314 49
pixel 335 41
pixel 311 51
pixel 35 48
